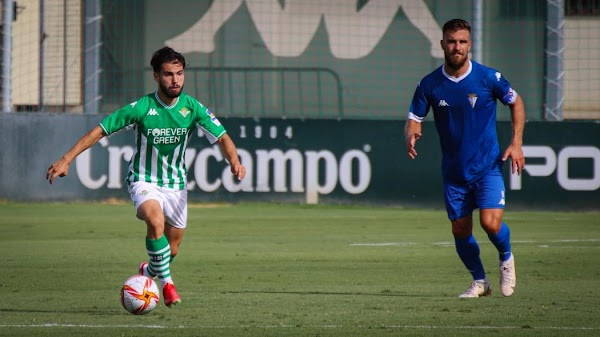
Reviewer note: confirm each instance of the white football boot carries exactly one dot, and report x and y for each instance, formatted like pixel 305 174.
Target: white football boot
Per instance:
pixel 508 276
pixel 477 289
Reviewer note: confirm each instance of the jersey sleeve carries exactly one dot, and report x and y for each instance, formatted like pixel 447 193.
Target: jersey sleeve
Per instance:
pixel 419 107
pixel 503 90
pixel 124 117
pixel 208 123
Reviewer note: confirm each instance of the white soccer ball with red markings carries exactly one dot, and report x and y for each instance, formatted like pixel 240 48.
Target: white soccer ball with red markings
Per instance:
pixel 139 295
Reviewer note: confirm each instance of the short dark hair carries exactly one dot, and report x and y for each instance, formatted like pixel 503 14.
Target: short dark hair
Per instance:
pixel 166 55
pixel 456 24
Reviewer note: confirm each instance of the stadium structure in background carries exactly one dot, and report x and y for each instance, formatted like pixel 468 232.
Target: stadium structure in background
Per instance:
pixel 304 59
pixel 316 92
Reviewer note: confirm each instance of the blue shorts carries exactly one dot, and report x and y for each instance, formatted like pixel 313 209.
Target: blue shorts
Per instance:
pixel 487 192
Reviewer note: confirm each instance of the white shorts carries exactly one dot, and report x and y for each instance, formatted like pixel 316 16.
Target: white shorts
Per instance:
pixel 173 202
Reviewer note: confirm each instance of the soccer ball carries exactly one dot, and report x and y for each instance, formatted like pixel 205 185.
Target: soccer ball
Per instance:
pixel 139 295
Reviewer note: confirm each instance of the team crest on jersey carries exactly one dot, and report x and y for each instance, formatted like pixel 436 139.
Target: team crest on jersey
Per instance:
pixel 184 112
pixel 213 118
pixel 472 99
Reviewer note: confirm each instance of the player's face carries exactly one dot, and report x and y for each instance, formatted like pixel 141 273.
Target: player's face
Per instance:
pixel 170 79
pixel 456 46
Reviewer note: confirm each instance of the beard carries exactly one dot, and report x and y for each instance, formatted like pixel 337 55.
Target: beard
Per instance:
pixel 453 63
pixel 171 93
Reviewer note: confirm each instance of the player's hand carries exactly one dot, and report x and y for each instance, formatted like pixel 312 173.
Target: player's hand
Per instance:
pixel 58 169
pixel 411 141
pixel 515 153
pixel 238 170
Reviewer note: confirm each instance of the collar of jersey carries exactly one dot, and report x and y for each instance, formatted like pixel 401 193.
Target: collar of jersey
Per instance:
pixel 458 79
pixel 163 103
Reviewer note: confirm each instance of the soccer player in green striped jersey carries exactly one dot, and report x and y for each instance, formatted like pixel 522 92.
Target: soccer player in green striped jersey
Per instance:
pixel 163 123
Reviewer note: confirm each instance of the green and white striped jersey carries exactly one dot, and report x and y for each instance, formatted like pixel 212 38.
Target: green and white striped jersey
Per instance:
pixel 162 134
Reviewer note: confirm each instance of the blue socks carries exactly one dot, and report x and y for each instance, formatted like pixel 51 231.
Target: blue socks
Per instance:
pixel 468 251
pixel 502 242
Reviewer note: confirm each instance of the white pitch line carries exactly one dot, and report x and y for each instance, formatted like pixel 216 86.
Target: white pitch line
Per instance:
pixel 291 326
pixel 557 241
pixel 383 244
pixel 448 243
pixel 576 240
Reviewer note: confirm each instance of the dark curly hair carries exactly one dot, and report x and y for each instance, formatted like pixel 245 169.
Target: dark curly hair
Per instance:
pixel 166 55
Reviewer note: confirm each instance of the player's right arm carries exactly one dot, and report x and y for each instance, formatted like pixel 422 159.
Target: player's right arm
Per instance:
pixel 413 128
pixel 61 167
pixel 118 120
pixel 412 132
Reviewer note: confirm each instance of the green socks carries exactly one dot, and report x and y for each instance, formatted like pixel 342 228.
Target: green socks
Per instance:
pixel 159 253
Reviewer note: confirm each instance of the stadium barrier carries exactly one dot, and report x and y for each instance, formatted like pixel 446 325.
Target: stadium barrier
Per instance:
pixel 295 160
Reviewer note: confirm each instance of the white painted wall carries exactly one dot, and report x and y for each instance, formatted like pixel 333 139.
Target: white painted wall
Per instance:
pixel 26 53
pixel 582 68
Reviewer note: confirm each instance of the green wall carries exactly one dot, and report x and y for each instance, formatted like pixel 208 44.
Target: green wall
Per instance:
pixel 376 86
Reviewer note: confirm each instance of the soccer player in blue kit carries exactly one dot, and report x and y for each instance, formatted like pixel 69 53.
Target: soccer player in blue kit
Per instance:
pixel 463 95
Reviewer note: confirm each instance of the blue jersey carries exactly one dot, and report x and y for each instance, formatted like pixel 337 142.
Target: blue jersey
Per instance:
pixel 464 110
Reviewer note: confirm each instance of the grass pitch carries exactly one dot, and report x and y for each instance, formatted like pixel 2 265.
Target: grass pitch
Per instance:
pixel 290 270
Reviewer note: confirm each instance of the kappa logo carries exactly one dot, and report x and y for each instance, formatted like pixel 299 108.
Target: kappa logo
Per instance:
pixel 273 18
pixel 152 112
pixel 502 200
pixel 498 76
pixel 443 103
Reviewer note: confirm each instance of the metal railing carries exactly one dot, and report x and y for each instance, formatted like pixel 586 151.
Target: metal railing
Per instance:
pixel 268 91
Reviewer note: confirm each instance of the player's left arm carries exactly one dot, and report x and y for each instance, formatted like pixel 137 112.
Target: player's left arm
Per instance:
pixel 515 149
pixel 229 150
pixel 215 133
